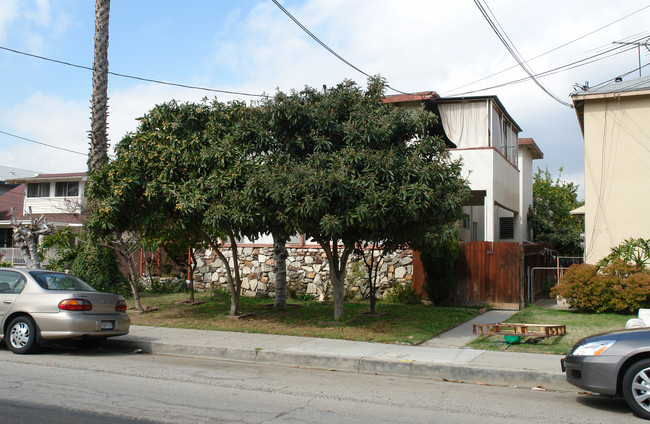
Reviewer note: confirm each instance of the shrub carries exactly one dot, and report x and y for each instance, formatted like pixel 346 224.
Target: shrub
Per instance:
pixel 98 266
pixel 618 287
pixel 6 264
pixel 402 293
pixel 438 265
pixel 167 285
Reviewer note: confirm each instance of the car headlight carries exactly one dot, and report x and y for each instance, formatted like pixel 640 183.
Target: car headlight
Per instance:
pixel 593 348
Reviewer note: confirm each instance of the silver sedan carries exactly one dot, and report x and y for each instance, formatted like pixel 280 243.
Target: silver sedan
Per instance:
pixel 40 305
pixel 615 363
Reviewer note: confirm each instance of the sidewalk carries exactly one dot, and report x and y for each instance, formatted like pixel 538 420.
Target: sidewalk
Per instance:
pixel 439 358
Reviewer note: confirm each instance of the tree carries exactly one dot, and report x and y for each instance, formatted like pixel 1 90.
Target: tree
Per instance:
pixel 26 237
pixel 550 215
pixel 99 111
pixel 185 168
pixel 369 172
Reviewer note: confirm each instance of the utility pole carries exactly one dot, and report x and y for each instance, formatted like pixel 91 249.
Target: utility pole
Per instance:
pixel 638 45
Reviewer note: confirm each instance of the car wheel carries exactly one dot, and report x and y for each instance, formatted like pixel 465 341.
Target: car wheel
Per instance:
pixel 636 388
pixel 21 335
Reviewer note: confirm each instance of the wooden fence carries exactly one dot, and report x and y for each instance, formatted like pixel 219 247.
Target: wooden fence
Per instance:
pixel 492 273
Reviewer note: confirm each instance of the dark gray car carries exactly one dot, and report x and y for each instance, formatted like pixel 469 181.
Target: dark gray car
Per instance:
pixel 616 363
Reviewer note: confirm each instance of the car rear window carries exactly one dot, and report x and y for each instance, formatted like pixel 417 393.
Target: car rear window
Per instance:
pixel 56 281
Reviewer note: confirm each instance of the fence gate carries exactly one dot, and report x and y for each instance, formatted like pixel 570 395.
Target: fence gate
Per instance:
pixel 489 272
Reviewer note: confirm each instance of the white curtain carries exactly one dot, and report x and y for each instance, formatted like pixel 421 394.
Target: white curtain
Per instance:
pixel 465 123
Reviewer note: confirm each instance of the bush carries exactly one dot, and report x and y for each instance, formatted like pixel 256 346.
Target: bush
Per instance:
pixel 402 293
pixel 438 265
pixel 6 265
pixel 619 287
pixel 167 285
pixel 98 266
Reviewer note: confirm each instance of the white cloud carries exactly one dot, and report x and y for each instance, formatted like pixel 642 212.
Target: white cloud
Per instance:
pixel 8 13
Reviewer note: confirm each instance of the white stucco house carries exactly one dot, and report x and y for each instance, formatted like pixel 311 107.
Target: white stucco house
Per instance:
pixel 497 164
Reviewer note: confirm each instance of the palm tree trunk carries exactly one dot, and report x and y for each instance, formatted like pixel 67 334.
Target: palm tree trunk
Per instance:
pixel 98 135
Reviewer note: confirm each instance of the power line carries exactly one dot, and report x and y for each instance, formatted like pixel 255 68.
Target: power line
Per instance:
pixel 192 87
pixel 576 64
pixel 325 46
pixel 43 144
pixel 557 48
pixel 512 50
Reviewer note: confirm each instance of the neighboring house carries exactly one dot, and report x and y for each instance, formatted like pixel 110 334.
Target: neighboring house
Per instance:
pixel 615 124
pixel 57 197
pixel 9 173
pixel 496 163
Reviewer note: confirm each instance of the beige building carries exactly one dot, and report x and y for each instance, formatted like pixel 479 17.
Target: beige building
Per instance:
pixel 615 123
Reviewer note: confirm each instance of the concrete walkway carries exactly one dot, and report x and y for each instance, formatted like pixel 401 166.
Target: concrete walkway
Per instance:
pixel 440 358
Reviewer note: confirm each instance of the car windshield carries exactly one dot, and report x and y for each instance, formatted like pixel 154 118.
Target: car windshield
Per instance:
pixel 56 281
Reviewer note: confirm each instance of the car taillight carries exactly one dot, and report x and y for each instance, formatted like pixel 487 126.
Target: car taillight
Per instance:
pixel 75 305
pixel 120 306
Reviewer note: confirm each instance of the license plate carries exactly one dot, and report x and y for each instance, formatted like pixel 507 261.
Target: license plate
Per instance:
pixel 107 325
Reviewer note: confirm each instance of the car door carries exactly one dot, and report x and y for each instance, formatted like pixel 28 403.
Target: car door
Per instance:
pixel 11 284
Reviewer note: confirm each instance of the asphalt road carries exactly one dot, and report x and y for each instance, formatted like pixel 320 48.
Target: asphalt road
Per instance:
pixel 62 384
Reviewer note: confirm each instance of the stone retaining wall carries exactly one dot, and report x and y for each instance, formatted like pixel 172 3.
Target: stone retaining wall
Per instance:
pixel 307 272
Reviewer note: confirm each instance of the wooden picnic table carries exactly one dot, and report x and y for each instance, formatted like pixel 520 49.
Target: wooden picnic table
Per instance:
pixel 525 330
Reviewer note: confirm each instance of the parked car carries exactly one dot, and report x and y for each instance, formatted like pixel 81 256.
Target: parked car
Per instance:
pixel 40 305
pixel 615 363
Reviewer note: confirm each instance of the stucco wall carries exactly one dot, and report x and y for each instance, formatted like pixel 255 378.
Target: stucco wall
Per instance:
pixel 617 171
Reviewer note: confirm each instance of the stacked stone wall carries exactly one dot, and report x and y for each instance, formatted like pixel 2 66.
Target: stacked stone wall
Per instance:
pixel 307 272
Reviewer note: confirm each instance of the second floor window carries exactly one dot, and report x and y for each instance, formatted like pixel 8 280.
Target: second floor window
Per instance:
pixel 38 190
pixel 67 189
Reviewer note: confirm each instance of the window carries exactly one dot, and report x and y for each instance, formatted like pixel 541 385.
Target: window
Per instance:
pixel 38 190
pixel 507 228
pixel 67 189
pixel 6 237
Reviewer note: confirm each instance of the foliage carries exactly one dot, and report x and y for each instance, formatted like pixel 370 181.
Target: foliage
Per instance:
pixel 402 292
pixel 550 214
pixel 167 285
pixel 6 264
pixel 63 243
pixel 367 172
pixel 438 264
pixel 98 266
pixel 619 287
pixel 633 251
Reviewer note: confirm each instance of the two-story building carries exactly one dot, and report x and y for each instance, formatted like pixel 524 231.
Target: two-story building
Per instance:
pixel 497 164
pixel 57 197
pixel 615 124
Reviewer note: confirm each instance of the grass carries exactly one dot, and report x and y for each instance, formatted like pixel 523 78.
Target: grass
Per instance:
pixel 409 324
pixel 578 325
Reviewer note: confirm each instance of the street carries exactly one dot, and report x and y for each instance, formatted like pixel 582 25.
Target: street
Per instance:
pixel 62 384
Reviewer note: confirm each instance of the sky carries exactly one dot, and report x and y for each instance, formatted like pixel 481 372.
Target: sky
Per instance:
pixel 251 46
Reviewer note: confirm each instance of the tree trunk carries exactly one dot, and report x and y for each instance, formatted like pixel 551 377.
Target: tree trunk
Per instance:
pixel 98 135
pixel 192 269
pixel 236 292
pixel 122 248
pixel 337 273
pixel 280 252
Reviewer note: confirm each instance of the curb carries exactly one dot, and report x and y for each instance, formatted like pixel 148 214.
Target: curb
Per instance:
pixel 404 368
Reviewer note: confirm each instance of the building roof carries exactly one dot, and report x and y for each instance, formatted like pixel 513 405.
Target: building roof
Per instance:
pixel 530 144
pixel 68 176
pixel 629 88
pixel 414 97
pixel 8 172
pixel 16 198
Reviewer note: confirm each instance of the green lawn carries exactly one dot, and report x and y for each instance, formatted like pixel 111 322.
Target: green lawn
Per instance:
pixel 395 323
pixel 578 325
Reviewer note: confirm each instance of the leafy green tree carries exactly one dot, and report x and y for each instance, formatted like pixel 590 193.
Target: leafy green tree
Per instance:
pixel 369 172
pixel 184 168
pixel 550 215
